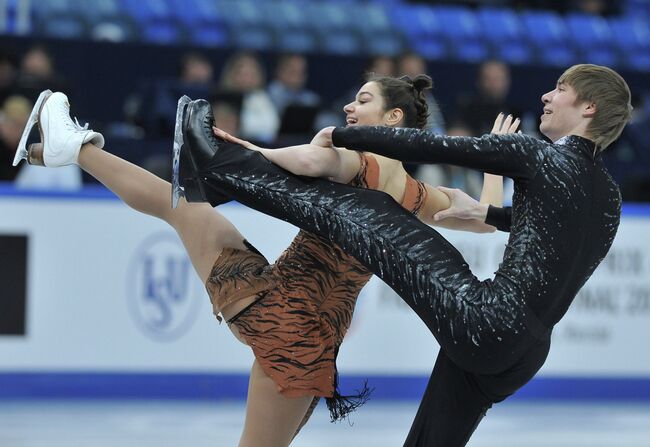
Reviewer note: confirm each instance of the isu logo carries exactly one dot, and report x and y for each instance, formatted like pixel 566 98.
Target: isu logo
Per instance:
pixel 162 288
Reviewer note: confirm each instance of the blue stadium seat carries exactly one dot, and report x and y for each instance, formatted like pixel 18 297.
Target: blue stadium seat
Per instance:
pixel 107 21
pixel 462 32
pixel 334 27
pixel 62 26
pixel 203 21
pixel 638 8
pixel 549 37
pixel 593 37
pixel 242 12
pixel 423 30
pixel 297 41
pixel 340 43
pixel 545 28
pixel 290 26
pixel 632 37
pixel 247 23
pixel 59 18
pixel 503 29
pixel 460 24
pixel 377 32
pixel 589 31
pixel 156 20
pixel 389 44
pixel 417 22
pixel 328 17
pixel 372 18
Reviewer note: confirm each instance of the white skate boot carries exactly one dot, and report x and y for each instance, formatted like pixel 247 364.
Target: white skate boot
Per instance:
pixel 61 138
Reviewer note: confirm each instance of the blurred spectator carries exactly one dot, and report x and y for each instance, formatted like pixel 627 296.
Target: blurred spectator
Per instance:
pixel 243 73
pixel 597 7
pixel 13 118
pixel 226 114
pixel 477 112
pixel 288 86
pixel 153 106
pixel 381 65
pixel 37 74
pixel 196 69
pixel 412 64
pixel 7 74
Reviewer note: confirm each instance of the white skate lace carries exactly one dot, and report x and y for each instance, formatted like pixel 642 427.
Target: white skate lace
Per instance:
pixel 73 125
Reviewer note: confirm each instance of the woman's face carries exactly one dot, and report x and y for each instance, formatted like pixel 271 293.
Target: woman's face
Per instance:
pixel 246 74
pixel 368 107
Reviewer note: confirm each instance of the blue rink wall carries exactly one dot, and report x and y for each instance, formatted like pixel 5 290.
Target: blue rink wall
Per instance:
pixel 112 309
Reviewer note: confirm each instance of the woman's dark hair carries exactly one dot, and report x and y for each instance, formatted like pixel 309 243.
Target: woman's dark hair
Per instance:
pixel 406 94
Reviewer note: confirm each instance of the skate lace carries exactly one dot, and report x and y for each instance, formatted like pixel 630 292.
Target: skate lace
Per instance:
pixel 208 122
pixel 73 125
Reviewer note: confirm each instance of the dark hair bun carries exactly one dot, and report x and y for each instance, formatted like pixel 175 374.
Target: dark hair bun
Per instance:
pixel 422 82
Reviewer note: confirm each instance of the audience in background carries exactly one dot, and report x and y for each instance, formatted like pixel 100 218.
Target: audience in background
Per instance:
pixel 243 73
pixel 13 118
pixel 37 73
pixel 245 105
pixel 289 84
pixel 195 69
pixel 476 112
pixel 381 65
pixel 7 74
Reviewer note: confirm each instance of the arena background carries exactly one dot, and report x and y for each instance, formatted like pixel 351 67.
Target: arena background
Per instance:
pixel 100 304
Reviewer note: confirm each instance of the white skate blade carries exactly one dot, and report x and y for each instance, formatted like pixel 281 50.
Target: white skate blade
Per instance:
pixel 177 190
pixel 21 152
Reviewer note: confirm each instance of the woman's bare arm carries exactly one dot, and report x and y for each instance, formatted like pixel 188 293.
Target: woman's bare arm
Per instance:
pixel 311 160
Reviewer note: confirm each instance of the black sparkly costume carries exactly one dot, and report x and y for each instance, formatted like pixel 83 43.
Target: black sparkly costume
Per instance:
pixel 494 334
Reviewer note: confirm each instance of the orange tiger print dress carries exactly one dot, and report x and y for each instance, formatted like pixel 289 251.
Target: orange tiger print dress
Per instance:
pixel 306 303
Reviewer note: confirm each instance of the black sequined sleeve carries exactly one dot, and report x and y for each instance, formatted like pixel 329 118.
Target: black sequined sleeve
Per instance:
pixel 501 218
pixel 512 155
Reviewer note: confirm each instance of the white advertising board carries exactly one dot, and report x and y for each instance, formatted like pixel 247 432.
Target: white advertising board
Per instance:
pixel 110 289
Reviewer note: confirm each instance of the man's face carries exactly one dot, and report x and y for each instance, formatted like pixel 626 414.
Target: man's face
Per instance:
pixel 562 112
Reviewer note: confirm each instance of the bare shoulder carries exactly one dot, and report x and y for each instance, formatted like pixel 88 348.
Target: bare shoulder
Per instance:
pixel 387 164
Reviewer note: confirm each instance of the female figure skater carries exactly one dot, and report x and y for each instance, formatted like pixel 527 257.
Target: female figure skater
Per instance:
pixel 293 314
pixel 494 334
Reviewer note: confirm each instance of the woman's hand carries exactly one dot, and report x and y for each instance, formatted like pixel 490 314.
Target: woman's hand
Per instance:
pixel 505 125
pixel 324 138
pixel 227 137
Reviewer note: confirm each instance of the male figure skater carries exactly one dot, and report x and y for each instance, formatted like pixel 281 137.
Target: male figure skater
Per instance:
pixel 494 334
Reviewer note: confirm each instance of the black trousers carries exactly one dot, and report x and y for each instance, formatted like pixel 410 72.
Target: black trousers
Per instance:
pixel 456 400
pixel 491 343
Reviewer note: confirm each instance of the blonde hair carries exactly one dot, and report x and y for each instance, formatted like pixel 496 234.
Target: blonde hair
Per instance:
pixel 611 95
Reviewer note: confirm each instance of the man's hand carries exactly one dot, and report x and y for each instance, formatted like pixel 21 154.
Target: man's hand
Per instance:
pixel 462 206
pixel 504 126
pixel 227 137
pixel 324 138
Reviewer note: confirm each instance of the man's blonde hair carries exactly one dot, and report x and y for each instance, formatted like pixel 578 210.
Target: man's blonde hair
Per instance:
pixel 609 91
